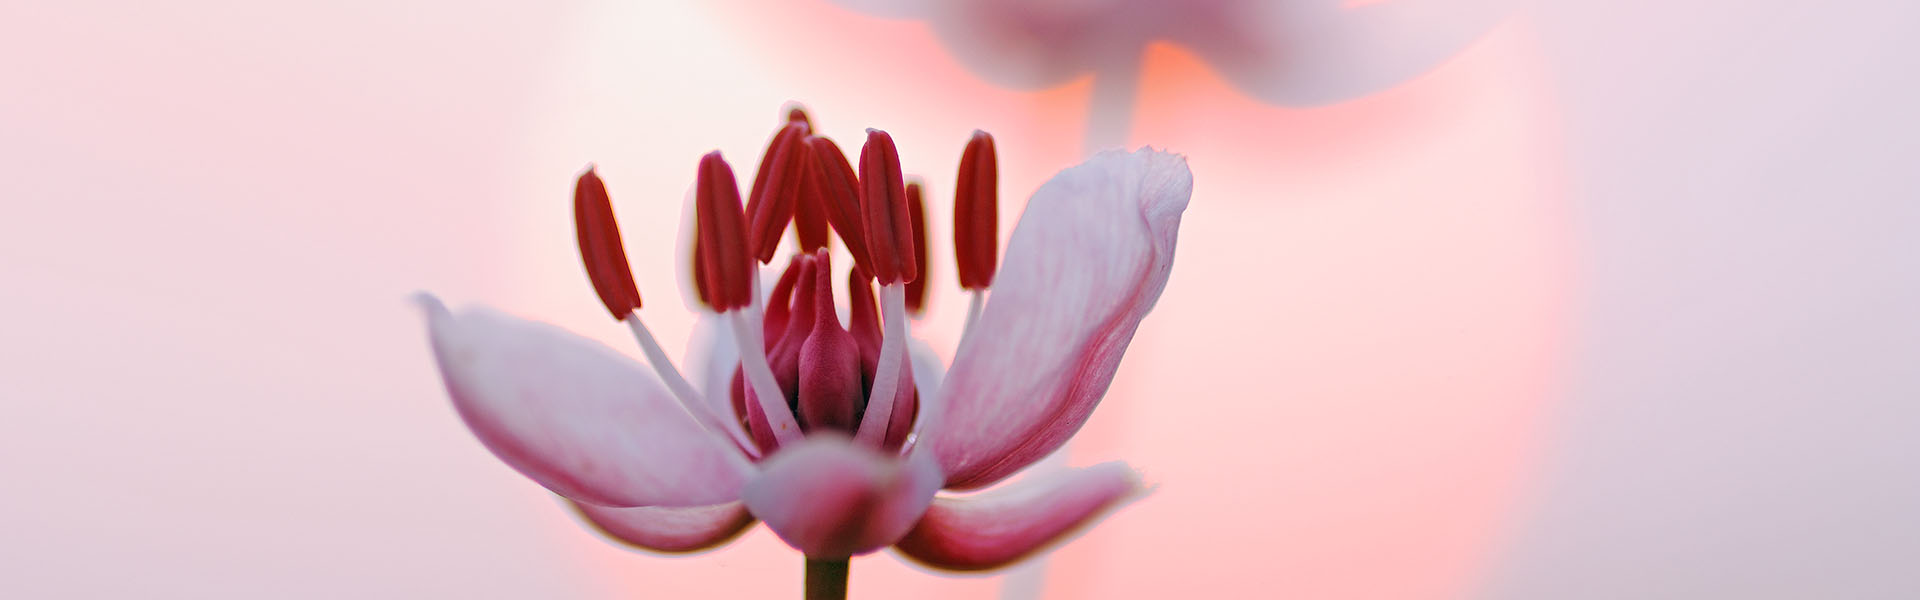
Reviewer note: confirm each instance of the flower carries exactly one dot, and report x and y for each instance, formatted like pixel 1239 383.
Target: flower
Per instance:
pixel 1285 52
pixel 836 437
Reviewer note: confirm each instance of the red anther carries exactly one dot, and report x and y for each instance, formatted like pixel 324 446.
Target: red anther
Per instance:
pixel 810 213
pixel 917 215
pixel 838 189
pixel 883 197
pixel 700 290
pixel 600 247
pixel 779 306
pixel 976 205
pixel 831 391
pixel 761 175
pixel 770 207
pixel 726 268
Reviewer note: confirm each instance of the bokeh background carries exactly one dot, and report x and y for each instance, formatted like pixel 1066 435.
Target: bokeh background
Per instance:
pixel 1519 300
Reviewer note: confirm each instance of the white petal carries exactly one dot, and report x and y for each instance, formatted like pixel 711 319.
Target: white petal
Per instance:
pixel 1087 261
pixel 577 417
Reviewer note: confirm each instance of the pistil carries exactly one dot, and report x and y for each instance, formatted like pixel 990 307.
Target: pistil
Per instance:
pixel 830 391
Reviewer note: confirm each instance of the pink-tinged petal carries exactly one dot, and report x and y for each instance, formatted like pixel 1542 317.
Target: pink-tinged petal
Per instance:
pixel 577 417
pixel 1085 264
pixel 830 498
pixel 1000 527
pixel 928 370
pixel 670 530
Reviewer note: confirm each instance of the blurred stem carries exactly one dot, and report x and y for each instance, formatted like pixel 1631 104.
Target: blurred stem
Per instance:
pixel 827 579
pixel 1116 89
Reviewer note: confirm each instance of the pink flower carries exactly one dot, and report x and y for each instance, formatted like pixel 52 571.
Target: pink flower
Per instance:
pixel 838 437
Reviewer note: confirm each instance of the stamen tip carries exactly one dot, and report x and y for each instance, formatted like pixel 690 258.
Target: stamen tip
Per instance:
pixel 797 113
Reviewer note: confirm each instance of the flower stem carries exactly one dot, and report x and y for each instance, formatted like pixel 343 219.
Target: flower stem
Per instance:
pixel 826 579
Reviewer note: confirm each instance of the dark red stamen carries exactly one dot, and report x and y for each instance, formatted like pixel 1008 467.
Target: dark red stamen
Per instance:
pixel 801 318
pixel 778 304
pixel 752 417
pixel 764 172
pixel 917 216
pixel 784 356
pixel 864 316
pixel 831 391
pixel 600 248
pixel 837 188
pixel 770 207
pixel 976 213
pixel 725 266
pixel 883 197
pixel 810 213
pixel 900 422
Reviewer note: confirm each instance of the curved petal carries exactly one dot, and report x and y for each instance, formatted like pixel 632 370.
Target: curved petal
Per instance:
pixel 928 370
pixel 1085 264
pixel 830 498
pixel 577 417
pixel 670 530
pixel 1003 526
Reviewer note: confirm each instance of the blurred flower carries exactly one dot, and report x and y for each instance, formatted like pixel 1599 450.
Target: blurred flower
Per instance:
pixel 1282 52
pixel 838 438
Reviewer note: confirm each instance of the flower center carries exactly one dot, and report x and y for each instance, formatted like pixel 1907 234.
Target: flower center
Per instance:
pixel 800 369
pixel 825 372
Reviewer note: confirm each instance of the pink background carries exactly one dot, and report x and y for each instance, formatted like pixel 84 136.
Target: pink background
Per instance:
pixel 1617 303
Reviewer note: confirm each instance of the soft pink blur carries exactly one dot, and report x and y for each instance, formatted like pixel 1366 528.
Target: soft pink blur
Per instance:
pixel 213 385
pixel 224 208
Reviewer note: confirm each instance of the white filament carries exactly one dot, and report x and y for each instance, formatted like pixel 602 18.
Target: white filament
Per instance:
pixel 893 355
pixel 976 302
pixel 690 398
pixel 753 362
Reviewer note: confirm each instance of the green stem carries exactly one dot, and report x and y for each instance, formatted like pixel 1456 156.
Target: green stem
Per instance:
pixel 827 579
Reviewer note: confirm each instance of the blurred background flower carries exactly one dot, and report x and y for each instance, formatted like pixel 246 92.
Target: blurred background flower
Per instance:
pixel 1284 52
pixel 1613 301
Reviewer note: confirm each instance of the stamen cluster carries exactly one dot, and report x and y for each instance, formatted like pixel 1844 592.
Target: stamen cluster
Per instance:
pixel 811 373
